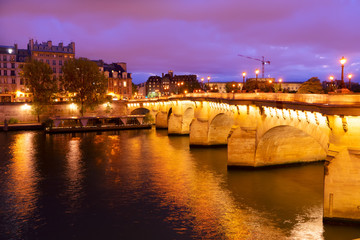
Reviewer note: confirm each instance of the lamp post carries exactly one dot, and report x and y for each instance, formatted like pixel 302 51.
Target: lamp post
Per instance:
pixel 202 82
pixel 280 81
pixel 342 61
pixel 208 78
pixel 331 84
pixel 350 76
pixel 256 79
pixel 244 75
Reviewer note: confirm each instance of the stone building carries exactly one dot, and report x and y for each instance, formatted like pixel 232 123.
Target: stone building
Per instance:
pixel 119 80
pixel 169 84
pixel 51 54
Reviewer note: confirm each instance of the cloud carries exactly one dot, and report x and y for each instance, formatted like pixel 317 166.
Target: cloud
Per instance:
pixel 199 37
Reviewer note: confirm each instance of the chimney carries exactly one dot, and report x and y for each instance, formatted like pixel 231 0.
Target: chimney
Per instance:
pixel 162 74
pixel 49 44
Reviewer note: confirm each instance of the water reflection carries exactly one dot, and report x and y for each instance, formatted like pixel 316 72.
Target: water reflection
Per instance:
pixel 74 174
pixel 21 184
pixel 144 184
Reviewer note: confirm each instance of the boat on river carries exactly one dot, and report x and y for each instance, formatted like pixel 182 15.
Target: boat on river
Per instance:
pixel 99 123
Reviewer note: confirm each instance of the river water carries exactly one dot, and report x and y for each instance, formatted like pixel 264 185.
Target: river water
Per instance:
pixel 144 184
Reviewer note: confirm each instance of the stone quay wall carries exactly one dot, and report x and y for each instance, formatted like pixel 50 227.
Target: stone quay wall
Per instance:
pixel 22 112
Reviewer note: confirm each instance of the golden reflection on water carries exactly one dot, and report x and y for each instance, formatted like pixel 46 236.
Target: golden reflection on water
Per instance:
pixel 24 176
pixel 204 204
pixel 74 172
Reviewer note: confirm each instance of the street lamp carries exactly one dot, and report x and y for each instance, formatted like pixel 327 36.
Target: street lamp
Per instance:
pixel 202 82
pixel 256 79
pixel 350 76
pixel 244 75
pixel 280 81
pixel 342 61
pixel 208 78
pixel 331 84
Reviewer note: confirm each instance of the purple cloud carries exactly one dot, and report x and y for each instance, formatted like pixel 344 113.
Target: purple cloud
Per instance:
pixel 301 38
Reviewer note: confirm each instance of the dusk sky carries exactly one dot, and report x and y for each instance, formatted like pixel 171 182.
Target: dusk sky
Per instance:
pixel 302 39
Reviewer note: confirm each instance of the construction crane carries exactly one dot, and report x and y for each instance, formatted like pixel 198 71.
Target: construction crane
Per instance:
pixel 263 62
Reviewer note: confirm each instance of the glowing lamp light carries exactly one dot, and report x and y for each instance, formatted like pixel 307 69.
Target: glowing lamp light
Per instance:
pixel 244 74
pixel 350 76
pixel 257 71
pixel 270 81
pixel 331 78
pixel 343 61
pixel 208 78
pixel 280 80
pixel 72 106
pixel 19 94
pixel 10 51
pixel 25 107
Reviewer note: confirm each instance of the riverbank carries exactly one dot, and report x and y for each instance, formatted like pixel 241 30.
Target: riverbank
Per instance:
pixel 21 127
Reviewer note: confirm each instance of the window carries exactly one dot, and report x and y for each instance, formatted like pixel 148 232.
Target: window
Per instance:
pixel 5 73
pixel 12 73
pixel 4 58
pixel 13 81
pixel 5 65
pixel 60 62
pixel 54 62
pixel 54 70
pixel 47 61
pixel 60 70
pixel 12 65
pixel 124 83
pixel 21 81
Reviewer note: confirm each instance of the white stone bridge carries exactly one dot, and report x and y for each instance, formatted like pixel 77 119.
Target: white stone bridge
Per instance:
pixel 267 129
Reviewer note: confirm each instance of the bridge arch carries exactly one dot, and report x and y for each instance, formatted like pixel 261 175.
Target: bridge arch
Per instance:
pixel 140 111
pixel 179 123
pixel 286 144
pixel 219 129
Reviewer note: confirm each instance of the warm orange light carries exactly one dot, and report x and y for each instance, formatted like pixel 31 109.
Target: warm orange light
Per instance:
pixel 257 71
pixel 244 74
pixel 280 80
pixel 343 61
pixel 331 78
pixel 202 79
pixel 350 76
pixel 270 81
pixel 185 91
pixel 208 78
pixel 233 85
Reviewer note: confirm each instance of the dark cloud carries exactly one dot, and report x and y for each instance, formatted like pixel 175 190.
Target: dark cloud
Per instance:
pixel 300 38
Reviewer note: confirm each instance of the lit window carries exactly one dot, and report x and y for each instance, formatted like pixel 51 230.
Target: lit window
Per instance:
pixel 124 83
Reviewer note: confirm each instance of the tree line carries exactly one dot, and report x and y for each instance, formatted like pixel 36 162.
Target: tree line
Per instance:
pixel 81 78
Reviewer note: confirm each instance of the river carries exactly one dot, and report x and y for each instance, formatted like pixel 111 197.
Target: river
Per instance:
pixel 144 184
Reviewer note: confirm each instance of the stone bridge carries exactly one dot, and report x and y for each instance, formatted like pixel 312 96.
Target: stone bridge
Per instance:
pixel 267 129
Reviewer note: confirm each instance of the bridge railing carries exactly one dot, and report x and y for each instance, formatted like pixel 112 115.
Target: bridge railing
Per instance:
pixel 330 99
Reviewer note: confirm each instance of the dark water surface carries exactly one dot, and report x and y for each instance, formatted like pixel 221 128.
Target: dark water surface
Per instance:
pixel 146 185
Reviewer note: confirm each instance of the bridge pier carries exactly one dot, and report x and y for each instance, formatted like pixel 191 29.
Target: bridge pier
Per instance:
pixel 179 123
pixel 342 171
pixel 162 120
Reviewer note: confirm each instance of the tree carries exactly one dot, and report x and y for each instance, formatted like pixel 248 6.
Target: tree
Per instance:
pixel 232 87
pixel 312 85
pixel 82 76
pixel 263 86
pixel 38 78
pixel 135 89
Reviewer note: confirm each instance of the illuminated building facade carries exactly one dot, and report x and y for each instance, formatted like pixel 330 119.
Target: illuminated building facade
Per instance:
pixel 169 84
pixel 51 54
pixel 119 80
